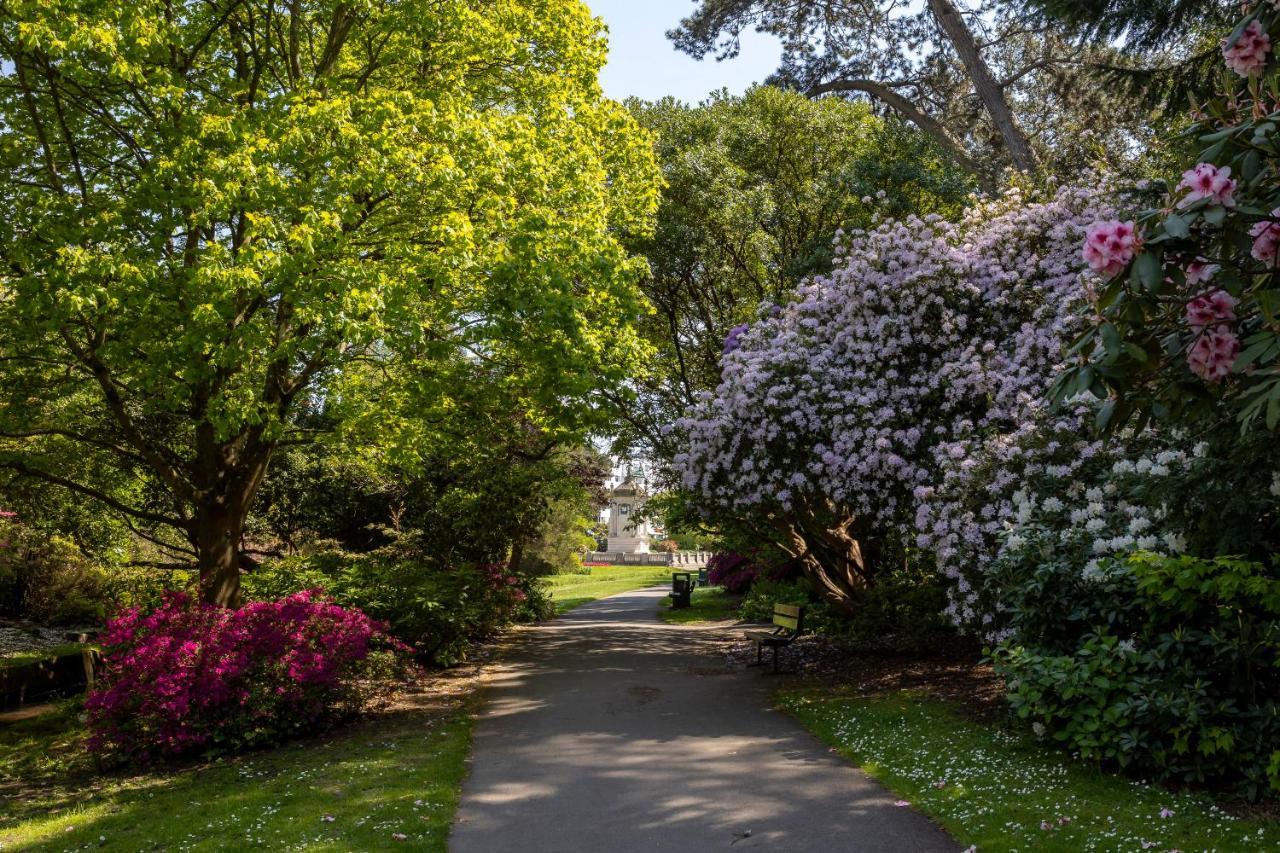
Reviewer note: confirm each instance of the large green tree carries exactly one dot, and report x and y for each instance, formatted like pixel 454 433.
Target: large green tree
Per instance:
pixel 994 83
pixel 757 187
pixel 225 216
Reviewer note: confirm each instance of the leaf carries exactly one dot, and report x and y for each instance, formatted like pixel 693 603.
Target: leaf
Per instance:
pixel 1178 226
pixel 1104 415
pixel 1215 215
pixel 1110 340
pixel 1148 271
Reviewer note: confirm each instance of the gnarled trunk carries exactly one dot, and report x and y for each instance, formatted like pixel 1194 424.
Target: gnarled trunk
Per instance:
pixel 830 553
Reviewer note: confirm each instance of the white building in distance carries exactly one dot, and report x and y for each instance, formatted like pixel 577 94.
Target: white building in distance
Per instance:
pixel 626 535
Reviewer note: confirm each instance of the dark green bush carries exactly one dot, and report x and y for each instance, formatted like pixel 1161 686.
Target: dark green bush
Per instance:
pixel 439 610
pixel 47 579
pixel 1167 666
pixel 901 613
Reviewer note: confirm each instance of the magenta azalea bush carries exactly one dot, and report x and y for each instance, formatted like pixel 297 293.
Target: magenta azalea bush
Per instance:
pixel 736 572
pixel 192 678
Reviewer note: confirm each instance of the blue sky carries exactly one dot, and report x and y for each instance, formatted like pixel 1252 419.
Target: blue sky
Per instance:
pixel 643 62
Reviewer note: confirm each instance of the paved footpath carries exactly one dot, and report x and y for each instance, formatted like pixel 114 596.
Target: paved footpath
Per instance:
pixel 609 731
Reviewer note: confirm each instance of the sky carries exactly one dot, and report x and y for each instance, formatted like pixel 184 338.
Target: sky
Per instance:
pixel 643 62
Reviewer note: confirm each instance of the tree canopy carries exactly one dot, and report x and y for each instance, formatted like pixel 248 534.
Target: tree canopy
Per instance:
pixel 226 217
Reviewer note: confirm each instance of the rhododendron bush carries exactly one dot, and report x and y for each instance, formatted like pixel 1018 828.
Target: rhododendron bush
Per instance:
pixel 193 678
pixel 1190 315
pixel 838 413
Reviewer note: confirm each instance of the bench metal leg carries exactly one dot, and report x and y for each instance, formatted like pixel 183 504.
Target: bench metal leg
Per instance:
pixel 759 659
pixel 775 659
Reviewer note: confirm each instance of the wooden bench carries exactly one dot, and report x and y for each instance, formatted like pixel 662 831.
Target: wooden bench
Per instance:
pixel 682 584
pixel 788 623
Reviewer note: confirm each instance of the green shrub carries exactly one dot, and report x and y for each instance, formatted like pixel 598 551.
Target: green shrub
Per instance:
pixel 439 610
pixel 901 612
pixel 47 579
pixel 1166 666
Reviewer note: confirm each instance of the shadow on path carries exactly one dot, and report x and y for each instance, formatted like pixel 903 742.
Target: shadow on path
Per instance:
pixel 608 730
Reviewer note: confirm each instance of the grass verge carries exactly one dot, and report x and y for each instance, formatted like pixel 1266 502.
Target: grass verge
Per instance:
pixel 571 590
pixel 391 782
pixel 1000 790
pixel 707 604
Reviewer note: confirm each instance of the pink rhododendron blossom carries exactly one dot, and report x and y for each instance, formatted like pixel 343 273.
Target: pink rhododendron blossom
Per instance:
pixel 1200 271
pixel 1266 238
pixel 1248 56
pixel 1206 180
pixel 1216 306
pixel 1110 246
pixel 1213 353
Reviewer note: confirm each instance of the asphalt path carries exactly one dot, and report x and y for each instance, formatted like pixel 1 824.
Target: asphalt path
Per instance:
pixel 609 730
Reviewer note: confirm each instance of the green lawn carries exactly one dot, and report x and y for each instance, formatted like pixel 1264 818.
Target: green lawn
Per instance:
pixel 1001 790
pixel 708 604
pixel 359 788
pixel 570 590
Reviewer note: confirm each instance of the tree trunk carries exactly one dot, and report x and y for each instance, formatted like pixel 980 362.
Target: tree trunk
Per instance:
pixel 830 555
pixel 216 535
pixel 219 516
pixel 984 83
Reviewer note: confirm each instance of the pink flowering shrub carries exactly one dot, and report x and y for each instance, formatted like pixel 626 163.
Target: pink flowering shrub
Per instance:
pixel 192 678
pixel 1164 348
pixel 737 572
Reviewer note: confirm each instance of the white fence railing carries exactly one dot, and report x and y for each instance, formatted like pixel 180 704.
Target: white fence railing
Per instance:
pixel 694 559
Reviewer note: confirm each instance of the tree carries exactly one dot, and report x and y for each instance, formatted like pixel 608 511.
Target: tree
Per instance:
pixel 989 83
pixel 755 187
pixel 1171 48
pixel 226 217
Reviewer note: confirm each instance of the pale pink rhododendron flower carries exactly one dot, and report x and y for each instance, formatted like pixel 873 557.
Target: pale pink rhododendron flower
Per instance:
pixel 1216 306
pixel 1206 180
pixel 1213 353
pixel 1200 271
pixel 1266 238
pixel 1248 56
pixel 1109 246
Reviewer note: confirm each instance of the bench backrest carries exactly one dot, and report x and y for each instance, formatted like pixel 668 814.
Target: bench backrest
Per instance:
pixel 789 617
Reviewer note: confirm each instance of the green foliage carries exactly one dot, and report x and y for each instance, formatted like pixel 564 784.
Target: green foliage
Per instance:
pixel 437 608
pixel 406 216
pixel 46 579
pixel 1144 354
pixel 1163 665
pixel 901 612
pixel 757 605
